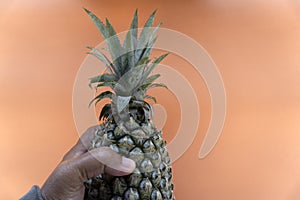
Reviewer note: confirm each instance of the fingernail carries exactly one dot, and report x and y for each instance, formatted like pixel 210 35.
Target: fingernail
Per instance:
pixel 128 164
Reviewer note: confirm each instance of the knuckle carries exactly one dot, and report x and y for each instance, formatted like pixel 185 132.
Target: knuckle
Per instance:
pixel 92 128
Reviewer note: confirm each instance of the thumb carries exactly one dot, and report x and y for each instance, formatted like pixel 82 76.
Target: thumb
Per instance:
pixel 100 160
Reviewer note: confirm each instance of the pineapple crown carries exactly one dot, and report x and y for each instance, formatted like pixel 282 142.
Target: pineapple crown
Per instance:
pixel 129 72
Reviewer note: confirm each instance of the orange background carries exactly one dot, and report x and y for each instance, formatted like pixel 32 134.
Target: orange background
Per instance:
pixel 255 44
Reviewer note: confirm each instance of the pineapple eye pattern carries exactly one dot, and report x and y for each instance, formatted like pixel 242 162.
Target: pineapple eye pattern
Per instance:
pixel 128 71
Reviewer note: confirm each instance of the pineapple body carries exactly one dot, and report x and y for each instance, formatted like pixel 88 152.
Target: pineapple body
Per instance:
pixel 142 142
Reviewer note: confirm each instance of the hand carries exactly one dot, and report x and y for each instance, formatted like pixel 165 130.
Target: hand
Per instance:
pixel 66 181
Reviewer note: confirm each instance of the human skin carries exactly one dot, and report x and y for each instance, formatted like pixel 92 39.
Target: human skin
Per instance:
pixel 79 164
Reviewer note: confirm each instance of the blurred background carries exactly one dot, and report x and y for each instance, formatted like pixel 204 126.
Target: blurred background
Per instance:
pixel 255 44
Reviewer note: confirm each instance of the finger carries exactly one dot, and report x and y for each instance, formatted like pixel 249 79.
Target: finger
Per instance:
pixel 100 160
pixel 83 143
pixel 85 140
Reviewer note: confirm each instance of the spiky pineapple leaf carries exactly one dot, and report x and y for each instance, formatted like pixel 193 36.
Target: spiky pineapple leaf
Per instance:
pixel 154 64
pixel 111 39
pixel 99 57
pixel 105 112
pixel 153 34
pixel 150 79
pixel 115 47
pixel 103 95
pixel 127 84
pixel 149 48
pixel 103 58
pixel 151 42
pixel 151 98
pixel 146 50
pixel 139 95
pixel 122 102
pixel 130 65
pixel 146 30
pixel 130 42
pixel 143 61
pixel 106 84
pixel 98 23
pixel 156 85
pixel 102 78
pixel 144 37
pixel 129 48
pixel 134 28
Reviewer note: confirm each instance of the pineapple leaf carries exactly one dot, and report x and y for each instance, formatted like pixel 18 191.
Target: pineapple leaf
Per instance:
pixel 109 34
pixel 149 48
pixel 102 57
pixel 152 41
pixel 153 34
pixel 99 57
pixel 146 30
pixel 130 42
pixel 144 37
pixel 102 78
pixel 116 50
pixel 129 64
pixel 105 112
pixel 129 47
pixel 150 79
pixel 122 102
pixel 99 24
pixel 106 84
pixel 134 28
pixel 143 61
pixel 150 19
pixel 103 95
pixel 149 82
pixel 139 95
pixel 154 64
pixel 151 98
pixel 157 85
pixel 129 82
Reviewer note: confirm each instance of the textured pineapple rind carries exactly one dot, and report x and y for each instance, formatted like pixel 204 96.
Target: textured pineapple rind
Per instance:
pixel 152 178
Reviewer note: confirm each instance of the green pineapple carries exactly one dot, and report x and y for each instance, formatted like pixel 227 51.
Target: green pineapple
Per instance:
pixel 126 121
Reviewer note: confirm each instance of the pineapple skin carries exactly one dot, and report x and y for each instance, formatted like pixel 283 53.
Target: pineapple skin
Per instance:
pixel 143 143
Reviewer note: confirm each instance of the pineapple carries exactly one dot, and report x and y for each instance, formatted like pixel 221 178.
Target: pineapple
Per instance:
pixel 126 122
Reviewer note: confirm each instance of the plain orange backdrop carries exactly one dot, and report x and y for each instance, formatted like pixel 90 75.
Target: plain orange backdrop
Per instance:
pixel 255 44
